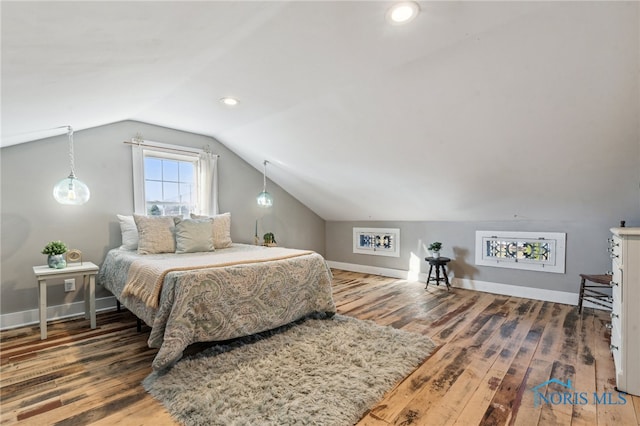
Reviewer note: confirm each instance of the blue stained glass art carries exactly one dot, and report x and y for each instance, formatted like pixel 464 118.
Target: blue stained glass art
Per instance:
pixel 538 250
pixel 376 241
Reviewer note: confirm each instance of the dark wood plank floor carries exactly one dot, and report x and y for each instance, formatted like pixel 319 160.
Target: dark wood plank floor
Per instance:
pixel 492 350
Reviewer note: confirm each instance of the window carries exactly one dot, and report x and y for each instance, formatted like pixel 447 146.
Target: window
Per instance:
pixel 170 185
pixel 173 180
pixel 537 251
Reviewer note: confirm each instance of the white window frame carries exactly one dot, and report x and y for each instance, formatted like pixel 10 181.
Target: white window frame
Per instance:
pixel 555 263
pixel 393 251
pixel 161 150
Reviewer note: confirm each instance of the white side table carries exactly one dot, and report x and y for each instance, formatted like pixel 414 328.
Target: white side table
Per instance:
pixel 88 271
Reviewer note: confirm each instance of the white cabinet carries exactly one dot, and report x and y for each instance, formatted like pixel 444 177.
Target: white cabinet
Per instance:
pixel 625 317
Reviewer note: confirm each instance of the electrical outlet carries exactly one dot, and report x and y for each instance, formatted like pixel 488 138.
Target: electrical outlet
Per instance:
pixel 70 284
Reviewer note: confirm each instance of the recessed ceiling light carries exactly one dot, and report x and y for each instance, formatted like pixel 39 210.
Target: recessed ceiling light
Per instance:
pixel 401 13
pixel 228 101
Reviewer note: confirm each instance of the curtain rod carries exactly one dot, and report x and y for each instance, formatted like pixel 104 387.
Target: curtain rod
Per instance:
pixel 170 149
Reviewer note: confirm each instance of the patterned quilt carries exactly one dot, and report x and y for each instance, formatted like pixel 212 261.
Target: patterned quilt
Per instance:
pixel 220 300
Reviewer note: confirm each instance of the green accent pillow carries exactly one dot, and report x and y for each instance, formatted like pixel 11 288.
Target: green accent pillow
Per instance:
pixel 221 229
pixel 194 235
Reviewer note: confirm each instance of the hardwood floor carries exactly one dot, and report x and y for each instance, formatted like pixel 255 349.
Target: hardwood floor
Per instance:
pixel 492 350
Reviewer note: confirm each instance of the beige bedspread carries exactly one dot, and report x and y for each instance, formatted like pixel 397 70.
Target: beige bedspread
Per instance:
pixel 146 275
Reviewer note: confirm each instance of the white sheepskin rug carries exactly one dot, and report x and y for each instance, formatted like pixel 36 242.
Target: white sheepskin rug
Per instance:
pixel 313 372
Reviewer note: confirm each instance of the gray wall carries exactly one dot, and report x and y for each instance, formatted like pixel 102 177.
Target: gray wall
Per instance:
pixel 586 249
pixel 31 217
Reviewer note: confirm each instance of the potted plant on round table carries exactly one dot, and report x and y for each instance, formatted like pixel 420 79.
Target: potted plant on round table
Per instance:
pixel 435 248
pixel 54 251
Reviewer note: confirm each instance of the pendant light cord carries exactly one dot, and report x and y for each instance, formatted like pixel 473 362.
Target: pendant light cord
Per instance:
pixel 71 159
pixel 264 177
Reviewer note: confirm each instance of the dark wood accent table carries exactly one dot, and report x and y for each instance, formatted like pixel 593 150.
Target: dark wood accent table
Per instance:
pixel 596 297
pixel 439 263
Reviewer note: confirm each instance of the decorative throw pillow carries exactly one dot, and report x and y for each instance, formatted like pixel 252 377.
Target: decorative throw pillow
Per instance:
pixel 155 234
pixel 221 229
pixel 194 235
pixel 129 232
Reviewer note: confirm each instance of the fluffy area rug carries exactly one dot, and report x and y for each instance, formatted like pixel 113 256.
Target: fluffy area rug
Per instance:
pixel 313 372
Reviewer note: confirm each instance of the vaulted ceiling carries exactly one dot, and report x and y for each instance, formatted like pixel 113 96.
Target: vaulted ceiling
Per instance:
pixel 472 111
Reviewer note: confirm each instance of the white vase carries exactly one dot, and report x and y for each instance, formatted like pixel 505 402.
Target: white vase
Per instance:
pixel 435 254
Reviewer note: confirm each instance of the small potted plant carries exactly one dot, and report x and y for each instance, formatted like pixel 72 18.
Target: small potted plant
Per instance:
pixel 54 251
pixel 435 248
pixel 269 239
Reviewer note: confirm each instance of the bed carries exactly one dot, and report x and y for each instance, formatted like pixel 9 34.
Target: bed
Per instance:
pixel 218 295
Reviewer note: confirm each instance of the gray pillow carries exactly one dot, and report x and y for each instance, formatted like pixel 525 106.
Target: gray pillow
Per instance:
pixel 194 235
pixel 221 229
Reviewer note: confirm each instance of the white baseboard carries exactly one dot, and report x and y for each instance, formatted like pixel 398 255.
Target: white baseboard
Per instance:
pixel 517 291
pixel 365 269
pixel 32 316
pixel 556 296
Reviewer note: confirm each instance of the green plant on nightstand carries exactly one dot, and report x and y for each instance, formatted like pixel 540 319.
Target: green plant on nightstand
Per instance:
pixel 435 248
pixel 269 239
pixel 54 251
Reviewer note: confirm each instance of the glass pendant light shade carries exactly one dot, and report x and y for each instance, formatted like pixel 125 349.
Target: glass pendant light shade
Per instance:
pixel 264 199
pixel 71 190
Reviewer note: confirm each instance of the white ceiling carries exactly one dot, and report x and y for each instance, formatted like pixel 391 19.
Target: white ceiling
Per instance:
pixel 473 111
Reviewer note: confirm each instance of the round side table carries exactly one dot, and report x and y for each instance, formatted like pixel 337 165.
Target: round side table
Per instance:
pixel 440 263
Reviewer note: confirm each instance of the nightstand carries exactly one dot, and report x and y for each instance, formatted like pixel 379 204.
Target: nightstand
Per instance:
pixel 88 271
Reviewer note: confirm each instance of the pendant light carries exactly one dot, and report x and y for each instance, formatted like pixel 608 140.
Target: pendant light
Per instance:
pixel 265 200
pixel 71 190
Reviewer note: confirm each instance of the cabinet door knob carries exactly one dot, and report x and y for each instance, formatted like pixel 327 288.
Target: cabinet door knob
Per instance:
pixel 609 326
pixel 614 315
pixel 613 347
pixel 614 283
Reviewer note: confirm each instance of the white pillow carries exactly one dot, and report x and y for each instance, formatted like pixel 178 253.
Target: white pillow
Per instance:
pixel 129 232
pixel 221 229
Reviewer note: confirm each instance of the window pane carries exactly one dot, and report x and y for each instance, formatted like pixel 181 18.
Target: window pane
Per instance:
pixel 186 193
pixel 153 191
pixel 170 170
pixel 155 209
pixel 170 192
pixel 152 168
pixel 187 172
pixel 173 210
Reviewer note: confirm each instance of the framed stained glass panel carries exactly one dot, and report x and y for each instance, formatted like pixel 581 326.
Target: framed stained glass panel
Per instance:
pixel 537 251
pixel 377 241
